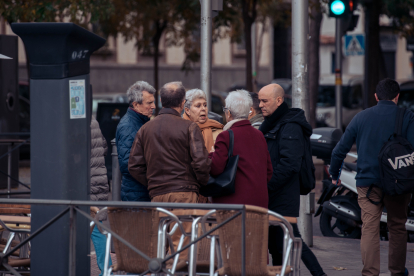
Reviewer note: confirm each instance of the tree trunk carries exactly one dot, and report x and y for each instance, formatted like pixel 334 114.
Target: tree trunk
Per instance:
pixel 156 54
pixel 248 21
pixel 156 43
pixel 372 52
pixel 314 41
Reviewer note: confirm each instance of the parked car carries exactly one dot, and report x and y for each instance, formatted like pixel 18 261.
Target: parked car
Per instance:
pixel 352 100
pixel 107 98
pixel 406 98
pixel 24 117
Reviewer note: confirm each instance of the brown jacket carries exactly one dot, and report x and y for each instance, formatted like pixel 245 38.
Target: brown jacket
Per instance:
pixel 168 155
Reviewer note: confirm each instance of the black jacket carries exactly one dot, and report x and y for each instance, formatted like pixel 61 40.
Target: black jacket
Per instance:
pixel 285 143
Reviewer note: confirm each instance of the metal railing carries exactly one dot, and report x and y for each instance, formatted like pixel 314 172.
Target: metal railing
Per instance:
pixel 10 142
pixel 73 209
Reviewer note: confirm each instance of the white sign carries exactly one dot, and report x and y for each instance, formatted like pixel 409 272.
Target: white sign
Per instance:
pixel 77 99
pixel 354 45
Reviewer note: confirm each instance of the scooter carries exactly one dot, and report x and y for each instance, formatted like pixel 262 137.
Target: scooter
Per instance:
pixel 338 205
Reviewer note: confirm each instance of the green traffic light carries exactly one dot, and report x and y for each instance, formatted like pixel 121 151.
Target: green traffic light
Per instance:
pixel 338 7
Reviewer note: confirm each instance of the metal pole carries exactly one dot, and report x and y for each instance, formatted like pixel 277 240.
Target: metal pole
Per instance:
pixel 300 92
pixel 206 40
pixel 9 170
pixel 338 74
pixel 72 242
pixel 116 173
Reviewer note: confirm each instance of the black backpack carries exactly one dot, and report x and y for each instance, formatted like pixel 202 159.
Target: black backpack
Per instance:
pixel 307 170
pixel 396 162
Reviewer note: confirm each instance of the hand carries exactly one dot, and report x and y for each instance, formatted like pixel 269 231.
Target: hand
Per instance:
pixel 212 149
pixel 336 182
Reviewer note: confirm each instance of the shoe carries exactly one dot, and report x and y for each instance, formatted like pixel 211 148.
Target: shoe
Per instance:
pixel 406 272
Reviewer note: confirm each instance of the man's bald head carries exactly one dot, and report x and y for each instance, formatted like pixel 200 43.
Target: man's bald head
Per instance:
pixel 172 94
pixel 271 97
pixel 275 89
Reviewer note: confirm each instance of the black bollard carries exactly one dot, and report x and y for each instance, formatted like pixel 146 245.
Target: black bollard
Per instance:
pixel 60 140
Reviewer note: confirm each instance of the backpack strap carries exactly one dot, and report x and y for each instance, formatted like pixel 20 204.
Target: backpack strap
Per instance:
pixel 399 121
pixel 370 200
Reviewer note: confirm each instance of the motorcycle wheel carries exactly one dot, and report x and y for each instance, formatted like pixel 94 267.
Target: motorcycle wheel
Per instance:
pixel 333 227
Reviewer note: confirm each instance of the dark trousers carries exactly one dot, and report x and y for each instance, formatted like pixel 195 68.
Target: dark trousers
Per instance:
pixel 276 249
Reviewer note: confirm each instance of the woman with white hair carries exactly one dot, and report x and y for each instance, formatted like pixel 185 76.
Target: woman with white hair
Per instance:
pixel 195 109
pixel 254 169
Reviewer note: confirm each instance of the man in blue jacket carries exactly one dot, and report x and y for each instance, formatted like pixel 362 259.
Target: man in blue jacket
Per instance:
pixel 370 129
pixel 141 106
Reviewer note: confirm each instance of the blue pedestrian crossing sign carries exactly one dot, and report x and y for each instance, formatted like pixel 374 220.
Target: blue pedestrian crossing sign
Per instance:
pixel 354 45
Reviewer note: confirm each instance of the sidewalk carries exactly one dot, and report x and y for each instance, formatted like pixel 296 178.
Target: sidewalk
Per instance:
pixel 332 252
pixel 345 253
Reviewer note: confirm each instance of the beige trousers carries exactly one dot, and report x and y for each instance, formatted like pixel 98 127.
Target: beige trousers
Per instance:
pixel 183 197
pixel 370 239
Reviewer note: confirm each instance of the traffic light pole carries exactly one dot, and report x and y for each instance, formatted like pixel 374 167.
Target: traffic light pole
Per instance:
pixel 300 95
pixel 206 40
pixel 338 74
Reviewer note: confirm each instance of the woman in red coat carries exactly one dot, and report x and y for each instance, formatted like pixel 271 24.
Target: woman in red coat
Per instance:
pixel 254 169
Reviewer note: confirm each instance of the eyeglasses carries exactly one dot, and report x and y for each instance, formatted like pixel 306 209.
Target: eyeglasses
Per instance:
pixel 226 109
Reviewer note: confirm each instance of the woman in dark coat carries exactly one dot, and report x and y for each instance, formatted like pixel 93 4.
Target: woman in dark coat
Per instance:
pixel 254 169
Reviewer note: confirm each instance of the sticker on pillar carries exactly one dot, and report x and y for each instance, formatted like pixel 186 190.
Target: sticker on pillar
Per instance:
pixel 77 99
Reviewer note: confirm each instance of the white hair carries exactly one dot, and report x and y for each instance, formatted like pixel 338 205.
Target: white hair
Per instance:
pixel 136 90
pixel 239 102
pixel 194 94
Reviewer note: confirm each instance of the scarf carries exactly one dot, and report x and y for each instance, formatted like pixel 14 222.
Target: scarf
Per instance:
pixel 207 130
pixel 231 123
pixel 270 121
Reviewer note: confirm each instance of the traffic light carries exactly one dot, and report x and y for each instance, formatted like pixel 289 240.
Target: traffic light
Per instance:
pixel 341 8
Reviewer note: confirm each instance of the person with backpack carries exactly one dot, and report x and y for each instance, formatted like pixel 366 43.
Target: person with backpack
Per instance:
pixel 381 135
pixel 287 135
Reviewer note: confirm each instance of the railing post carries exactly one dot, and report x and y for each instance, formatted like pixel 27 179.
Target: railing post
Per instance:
pixel 9 170
pixel 72 242
pixel 116 173
pixel 243 255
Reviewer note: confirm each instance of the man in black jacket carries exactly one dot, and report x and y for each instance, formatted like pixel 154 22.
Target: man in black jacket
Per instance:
pixel 284 130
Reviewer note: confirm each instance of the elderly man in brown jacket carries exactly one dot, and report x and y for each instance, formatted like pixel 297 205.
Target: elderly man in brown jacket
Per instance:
pixel 168 154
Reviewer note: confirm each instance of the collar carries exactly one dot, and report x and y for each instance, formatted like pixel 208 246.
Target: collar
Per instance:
pixel 257 118
pixel 386 103
pixel 236 123
pixel 137 115
pixel 170 111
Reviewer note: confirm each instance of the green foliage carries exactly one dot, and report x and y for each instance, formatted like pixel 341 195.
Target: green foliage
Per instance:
pixel 402 14
pixel 80 12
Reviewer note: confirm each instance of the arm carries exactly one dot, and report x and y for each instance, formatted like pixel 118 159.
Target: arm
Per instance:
pixel 199 155
pixel 269 167
pixel 104 144
pixel 291 150
pixel 137 165
pixel 220 155
pixel 410 128
pixel 124 139
pixel 342 148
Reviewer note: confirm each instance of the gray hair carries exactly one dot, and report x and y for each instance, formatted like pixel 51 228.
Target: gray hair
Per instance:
pixel 136 90
pixel 172 94
pixel 193 94
pixel 239 103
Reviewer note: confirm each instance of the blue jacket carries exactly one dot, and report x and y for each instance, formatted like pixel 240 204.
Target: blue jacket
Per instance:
pixel 131 190
pixel 370 129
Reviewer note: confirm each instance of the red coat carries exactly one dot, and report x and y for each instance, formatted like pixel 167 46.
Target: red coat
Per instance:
pixel 254 169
